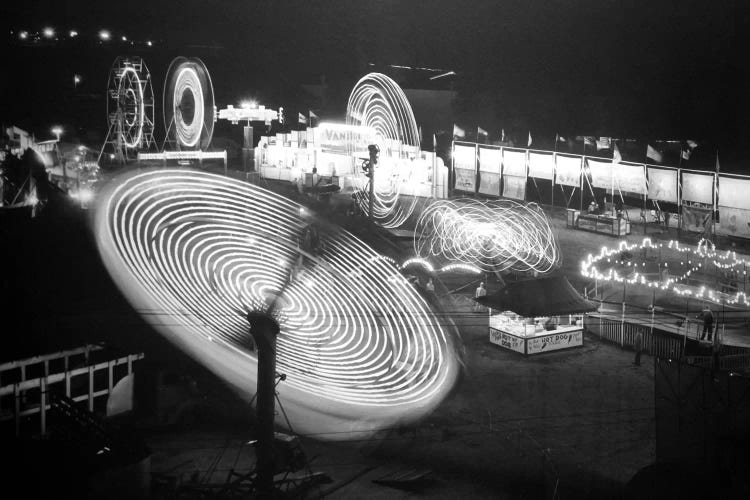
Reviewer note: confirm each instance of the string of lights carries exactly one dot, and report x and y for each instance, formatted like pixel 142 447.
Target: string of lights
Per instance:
pixel 691 261
pixel 492 236
pixel 360 346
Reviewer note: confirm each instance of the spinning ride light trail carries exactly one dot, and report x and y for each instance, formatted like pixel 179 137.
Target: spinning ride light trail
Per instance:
pixel 188 104
pixel 494 236
pixel 692 261
pixel 379 103
pixel 194 252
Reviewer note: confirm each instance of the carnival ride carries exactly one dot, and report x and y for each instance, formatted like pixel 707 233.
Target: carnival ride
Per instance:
pixel 377 102
pixel 679 271
pixel 195 253
pixel 188 105
pixel 494 236
pixel 130 110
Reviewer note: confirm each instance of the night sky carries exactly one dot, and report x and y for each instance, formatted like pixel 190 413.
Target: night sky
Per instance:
pixel 653 69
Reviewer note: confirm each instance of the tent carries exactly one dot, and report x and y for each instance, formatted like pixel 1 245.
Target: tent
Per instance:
pixel 548 296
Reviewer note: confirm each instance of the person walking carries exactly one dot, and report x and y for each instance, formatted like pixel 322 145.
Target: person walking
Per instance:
pixel 707 316
pixel 480 292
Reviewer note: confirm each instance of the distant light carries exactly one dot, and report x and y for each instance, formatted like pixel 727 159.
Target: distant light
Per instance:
pixel 124 39
pixel 48 32
pixel 248 104
pixel 111 156
pixel 23 35
pixel 76 79
pixel 85 195
pixel 149 43
pixel 72 33
pixel 104 35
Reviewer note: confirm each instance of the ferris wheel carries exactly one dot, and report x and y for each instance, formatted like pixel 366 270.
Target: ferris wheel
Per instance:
pixel 188 105
pixel 130 109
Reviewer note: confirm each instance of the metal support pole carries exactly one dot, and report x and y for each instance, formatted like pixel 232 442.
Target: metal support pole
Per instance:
pixel 264 330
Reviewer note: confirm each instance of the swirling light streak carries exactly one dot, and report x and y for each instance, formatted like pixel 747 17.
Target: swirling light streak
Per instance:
pixel 492 236
pixel 193 252
pixel 188 80
pixel 675 283
pixel 378 102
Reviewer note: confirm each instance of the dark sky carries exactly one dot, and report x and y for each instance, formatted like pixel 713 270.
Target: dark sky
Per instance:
pixel 605 67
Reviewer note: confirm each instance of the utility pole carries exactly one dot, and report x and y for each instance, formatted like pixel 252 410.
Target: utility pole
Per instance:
pixel 374 152
pixel 264 330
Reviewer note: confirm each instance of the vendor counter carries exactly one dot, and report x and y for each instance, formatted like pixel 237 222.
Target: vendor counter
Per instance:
pixel 597 223
pixel 535 335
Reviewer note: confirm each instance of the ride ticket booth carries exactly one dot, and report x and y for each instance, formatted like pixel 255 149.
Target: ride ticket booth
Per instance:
pixel 537 315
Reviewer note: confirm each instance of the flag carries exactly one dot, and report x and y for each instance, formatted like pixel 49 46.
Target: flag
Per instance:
pixel 717 162
pixel 559 138
pixel 686 154
pixel 312 115
pixel 588 140
pixel 502 135
pixel 434 143
pixel 529 145
pixel 653 154
pixel 603 143
pixel 616 156
pixel 692 144
pixel 458 131
pixel 481 131
pixel 301 118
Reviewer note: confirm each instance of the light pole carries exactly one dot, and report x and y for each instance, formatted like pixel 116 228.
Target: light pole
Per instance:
pixel 57 130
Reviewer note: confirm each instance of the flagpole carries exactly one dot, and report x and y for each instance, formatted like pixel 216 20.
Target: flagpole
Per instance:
pixel 612 179
pixel 715 200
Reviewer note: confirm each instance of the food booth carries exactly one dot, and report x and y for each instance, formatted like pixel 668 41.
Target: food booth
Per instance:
pixel 537 315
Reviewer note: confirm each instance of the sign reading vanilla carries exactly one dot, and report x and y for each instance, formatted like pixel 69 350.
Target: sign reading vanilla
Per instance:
pixel 341 138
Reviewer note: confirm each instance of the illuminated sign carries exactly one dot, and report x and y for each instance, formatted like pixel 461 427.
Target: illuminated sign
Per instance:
pixel 340 138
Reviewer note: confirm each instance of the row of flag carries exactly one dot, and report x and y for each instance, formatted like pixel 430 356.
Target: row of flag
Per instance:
pixel 601 143
pixel 460 133
pixel 304 120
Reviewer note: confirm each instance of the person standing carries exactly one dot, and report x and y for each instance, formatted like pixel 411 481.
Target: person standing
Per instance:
pixel 708 322
pixel 638 347
pixel 480 292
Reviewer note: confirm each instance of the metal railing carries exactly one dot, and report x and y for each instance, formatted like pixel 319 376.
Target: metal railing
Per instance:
pixel 31 396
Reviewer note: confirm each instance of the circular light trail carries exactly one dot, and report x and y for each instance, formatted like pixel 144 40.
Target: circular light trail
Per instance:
pixel 494 235
pixel 188 104
pixel 379 103
pixel 194 252
pixel 188 130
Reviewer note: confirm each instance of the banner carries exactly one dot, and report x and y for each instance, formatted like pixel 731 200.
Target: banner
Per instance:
pixel 489 183
pixel 662 184
pixel 554 342
pixel 695 219
pixel 466 180
pixel 514 163
pixel 601 173
pixel 490 160
pixel 734 192
pixel 734 222
pixel 507 340
pixel 630 178
pixel 568 170
pixel 514 187
pixel 541 165
pixel 698 187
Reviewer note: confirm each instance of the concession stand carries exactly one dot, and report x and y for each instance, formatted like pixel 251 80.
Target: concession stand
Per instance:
pixel 537 315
